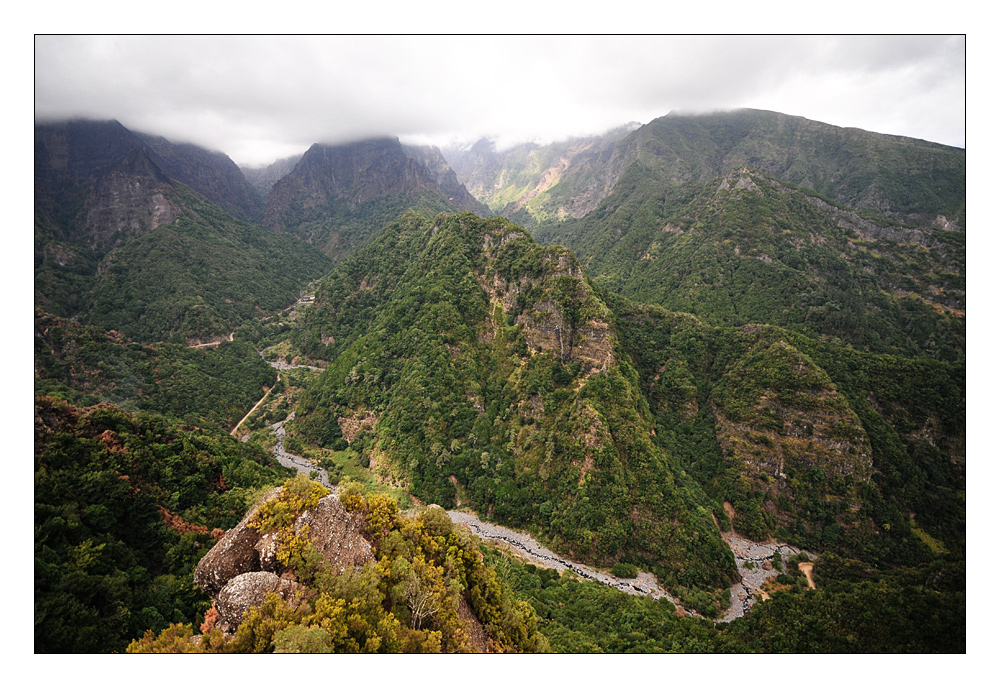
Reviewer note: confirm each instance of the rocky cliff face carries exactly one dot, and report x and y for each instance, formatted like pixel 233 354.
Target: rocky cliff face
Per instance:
pixel 432 160
pixel 129 200
pixel 567 321
pixel 98 181
pixel 338 197
pixel 212 174
pixel 350 175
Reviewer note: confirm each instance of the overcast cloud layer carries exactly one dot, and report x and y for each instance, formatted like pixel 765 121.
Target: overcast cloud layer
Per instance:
pixel 259 99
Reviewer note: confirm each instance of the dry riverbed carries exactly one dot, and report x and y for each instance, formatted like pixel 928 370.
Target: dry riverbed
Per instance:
pixel 299 463
pixel 742 594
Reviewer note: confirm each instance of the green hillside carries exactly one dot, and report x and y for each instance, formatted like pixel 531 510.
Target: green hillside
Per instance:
pixel 746 248
pixel 487 372
pixel 209 386
pixel 125 506
pixel 200 276
pixel 810 442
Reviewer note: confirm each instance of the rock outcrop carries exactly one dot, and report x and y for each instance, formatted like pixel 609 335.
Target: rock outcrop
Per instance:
pixel 248 590
pixel 234 554
pixel 244 567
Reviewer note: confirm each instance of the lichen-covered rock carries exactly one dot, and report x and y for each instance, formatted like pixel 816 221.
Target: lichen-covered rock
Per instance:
pixel 244 566
pixel 248 590
pixel 337 534
pixel 234 554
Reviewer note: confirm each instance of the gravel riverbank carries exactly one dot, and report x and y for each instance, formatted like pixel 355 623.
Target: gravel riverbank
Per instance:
pixel 741 594
pixel 299 463
pixel 527 546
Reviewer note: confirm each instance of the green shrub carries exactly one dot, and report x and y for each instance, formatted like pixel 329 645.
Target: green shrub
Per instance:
pixel 623 570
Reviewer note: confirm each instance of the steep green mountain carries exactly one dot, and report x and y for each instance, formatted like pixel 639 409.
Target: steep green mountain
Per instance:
pixel 338 197
pixel 808 441
pixel 125 506
pixel 488 372
pixel 895 177
pixel 126 245
pixel 85 365
pixel 200 276
pixel 746 248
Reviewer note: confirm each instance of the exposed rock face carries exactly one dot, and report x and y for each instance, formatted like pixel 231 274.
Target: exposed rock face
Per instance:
pixel 332 530
pixel 93 178
pixel 349 174
pixel 210 173
pixel 243 566
pixel 336 534
pixel 132 198
pixel 587 168
pixel 549 326
pixel 234 554
pixel 249 590
pixel 432 160
pixel 338 196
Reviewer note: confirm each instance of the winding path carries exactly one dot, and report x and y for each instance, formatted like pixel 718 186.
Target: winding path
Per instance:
pixel 255 407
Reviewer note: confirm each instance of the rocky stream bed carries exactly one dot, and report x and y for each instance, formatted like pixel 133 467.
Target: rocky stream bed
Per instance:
pixel 299 463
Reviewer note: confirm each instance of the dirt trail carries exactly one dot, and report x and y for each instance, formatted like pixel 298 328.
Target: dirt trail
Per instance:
pixel 202 346
pixel 255 407
pixel 806 567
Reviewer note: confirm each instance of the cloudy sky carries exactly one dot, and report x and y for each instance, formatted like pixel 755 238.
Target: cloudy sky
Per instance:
pixel 259 99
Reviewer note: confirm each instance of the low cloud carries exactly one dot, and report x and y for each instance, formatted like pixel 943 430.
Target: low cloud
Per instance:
pixel 262 98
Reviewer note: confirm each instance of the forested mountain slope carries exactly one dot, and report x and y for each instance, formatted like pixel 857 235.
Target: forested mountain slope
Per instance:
pixel 746 248
pixel 765 333
pixel 200 276
pixel 895 177
pixel 127 236
pixel 491 373
pixel 488 371
pixel 84 365
pixel 125 506
pixel 809 441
